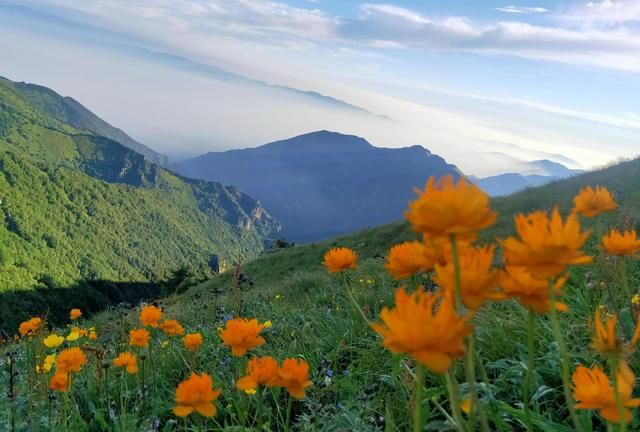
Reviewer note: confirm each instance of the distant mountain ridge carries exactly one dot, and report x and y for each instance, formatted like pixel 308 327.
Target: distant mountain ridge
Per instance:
pixel 323 183
pixel 78 206
pixel 536 173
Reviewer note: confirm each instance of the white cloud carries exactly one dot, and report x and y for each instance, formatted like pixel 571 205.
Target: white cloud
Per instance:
pixel 522 9
pixel 604 12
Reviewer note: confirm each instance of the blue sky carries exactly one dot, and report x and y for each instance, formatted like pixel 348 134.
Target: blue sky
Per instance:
pixel 486 84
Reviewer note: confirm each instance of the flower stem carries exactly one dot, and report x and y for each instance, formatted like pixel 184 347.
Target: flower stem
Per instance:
pixel 564 355
pixel 417 400
pixel 614 366
pixel 469 366
pixel 454 400
pixel 289 407
pixel 526 389
pixel 355 304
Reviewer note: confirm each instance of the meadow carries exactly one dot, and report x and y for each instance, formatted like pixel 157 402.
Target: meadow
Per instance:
pixel 473 322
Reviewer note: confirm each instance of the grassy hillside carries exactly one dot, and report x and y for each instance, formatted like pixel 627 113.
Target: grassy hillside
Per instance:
pixel 76 206
pixel 357 385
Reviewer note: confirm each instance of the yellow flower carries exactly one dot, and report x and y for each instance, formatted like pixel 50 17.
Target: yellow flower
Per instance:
pixel 53 341
pixel 49 361
pixel 426 326
pixel 340 259
pixel 635 299
pixel 267 324
pixel 621 244
pixel 127 360
pixel 546 246
pixel 518 283
pixel 478 281
pixel 242 334
pixel 73 336
pixel 593 390
pixel 444 209
pixel 196 394
pixel 75 314
pixel 465 406
pixel 591 202
pixel 408 258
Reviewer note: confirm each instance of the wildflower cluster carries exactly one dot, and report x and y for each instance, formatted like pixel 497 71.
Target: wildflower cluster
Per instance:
pixel 436 327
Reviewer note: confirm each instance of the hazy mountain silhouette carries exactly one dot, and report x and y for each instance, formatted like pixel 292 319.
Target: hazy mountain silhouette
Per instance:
pixel 323 183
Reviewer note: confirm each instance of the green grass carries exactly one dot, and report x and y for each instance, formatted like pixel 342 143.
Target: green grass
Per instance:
pixel 358 385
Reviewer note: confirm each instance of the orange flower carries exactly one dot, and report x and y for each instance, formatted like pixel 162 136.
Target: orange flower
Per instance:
pixel 546 246
pixel 591 202
pixel 242 334
pixel 171 327
pixel 260 371
pixel 409 258
pixel 339 259
pixel 59 382
pixel 196 394
pixel 478 281
pixel 192 341
pixel 127 360
pixel 70 360
pixel 30 327
pixel 593 390
pixel 518 283
pixel 139 338
pixel 150 316
pixel 74 314
pixel 605 340
pixel 294 376
pixel 444 209
pixel 433 334
pixel 621 244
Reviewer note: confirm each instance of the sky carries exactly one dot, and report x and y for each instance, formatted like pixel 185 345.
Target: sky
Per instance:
pixel 486 84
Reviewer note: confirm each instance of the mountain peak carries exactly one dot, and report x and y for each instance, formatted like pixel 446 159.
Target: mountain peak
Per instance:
pixel 324 183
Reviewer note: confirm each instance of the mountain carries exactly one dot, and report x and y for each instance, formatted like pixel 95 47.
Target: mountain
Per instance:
pixel 69 111
pixel 323 183
pixel 535 173
pixel 75 205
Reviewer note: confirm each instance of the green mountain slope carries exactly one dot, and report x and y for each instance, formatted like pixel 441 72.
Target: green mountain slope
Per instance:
pixel 277 269
pixel 69 111
pixel 77 206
